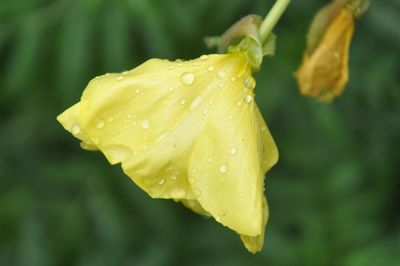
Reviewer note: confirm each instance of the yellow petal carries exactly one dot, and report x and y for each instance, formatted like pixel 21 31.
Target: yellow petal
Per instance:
pixel 324 72
pixel 226 164
pixel 69 119
pixel 189 131
pixel 255 243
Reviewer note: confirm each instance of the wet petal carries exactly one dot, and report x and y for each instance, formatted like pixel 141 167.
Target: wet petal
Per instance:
pixel 227 160
pixel 189 131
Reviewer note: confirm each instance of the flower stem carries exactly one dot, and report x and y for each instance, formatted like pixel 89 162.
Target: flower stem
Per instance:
pixel 272 18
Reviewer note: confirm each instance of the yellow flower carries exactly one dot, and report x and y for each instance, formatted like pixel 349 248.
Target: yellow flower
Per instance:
pixel 324 71
pixel 188 131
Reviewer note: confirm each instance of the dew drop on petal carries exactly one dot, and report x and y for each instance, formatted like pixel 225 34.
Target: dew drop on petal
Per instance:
pixel 110 119
pixel 210 68
pixel 221 74
pixel 248 82
pixel 205 111
pixel 117 153
pixel 247 98
pixel 75 129
pixel 170 67
pixel 183 101
pixel 173 177
pixel 120 78
pixel 188 78
pixel 233 151
pixel 203 57
pixel 178 193
pixel 197 192
pixel 162 181
pixel 223 168
pixel 196 102
pixel 191 180
pixel 100 123
pixel 146 124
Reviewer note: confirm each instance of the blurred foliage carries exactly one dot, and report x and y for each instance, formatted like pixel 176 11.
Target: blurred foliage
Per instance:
pixel 334 196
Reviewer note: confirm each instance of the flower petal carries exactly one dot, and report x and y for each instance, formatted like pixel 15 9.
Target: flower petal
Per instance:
pixel 227 161
pixel 255 243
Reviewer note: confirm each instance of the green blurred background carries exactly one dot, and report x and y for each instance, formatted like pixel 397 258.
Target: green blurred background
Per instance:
pixel 334 195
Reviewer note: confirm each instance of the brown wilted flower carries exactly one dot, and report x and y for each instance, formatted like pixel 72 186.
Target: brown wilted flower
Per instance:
pixel 324 71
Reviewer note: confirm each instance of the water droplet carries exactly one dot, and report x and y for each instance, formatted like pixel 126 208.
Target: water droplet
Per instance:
pixel 263 128
pixel 120 78
pixel 183 101
pixel 210 68
pixel 117 153
pixel 233 79
pixel 242 194
pixel 203 57
pixel 178 193
pixel 100 123
pixel 75 129
pixel 221 85
pixel 233 151
pixel 218 219
pixel 171 89
pixel 191 180
pixel 197 192
pixel 230 117
pixel 146 124
pixel 223 168
pixel 162 181
pixel 248 82
pixel 247 98
pixel 239 103
pixel 188 78
pixel 137 91
pixel 170 67
pixel 221 74
pixel 95 140
pixel 205 111
pixel 125 72
pixel 134 123
pixel 173 177
pixel 110 119
pixel 196 102
pixel 130 115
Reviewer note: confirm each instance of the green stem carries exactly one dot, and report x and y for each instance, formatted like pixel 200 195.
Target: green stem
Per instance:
pixel 272 18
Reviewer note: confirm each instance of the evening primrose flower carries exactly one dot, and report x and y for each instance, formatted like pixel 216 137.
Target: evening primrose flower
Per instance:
pixel 324 71
pixel 188 131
